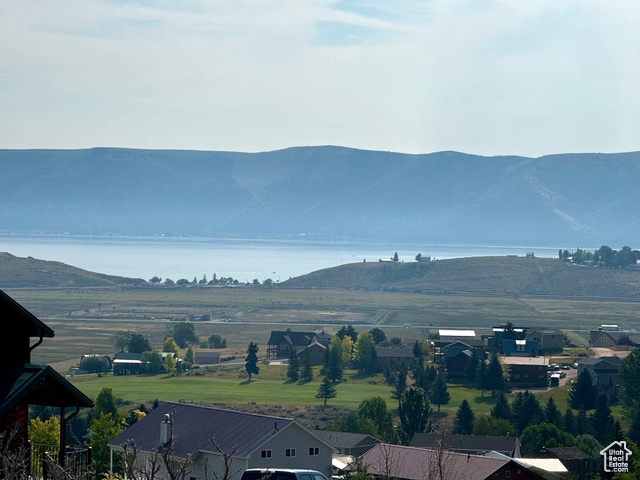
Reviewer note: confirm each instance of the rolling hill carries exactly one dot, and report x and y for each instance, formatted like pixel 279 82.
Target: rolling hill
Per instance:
pixel 335 193
pixel 17 272
pixel 480 276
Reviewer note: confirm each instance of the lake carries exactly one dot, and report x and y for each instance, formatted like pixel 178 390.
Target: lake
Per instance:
pixel 244 259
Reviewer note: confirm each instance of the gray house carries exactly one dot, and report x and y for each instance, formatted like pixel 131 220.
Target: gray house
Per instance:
pixel 347 443
pixel 205 434
pixel 603 370
pixel 550 340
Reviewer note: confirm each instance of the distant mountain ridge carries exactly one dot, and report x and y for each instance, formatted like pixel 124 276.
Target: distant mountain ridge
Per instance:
pixel 570 200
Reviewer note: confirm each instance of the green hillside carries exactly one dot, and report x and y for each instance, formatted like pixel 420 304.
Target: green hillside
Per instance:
pixel 18 272
pixel 481 276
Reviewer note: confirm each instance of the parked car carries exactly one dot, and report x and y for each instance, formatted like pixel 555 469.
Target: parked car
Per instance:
pixel 282 474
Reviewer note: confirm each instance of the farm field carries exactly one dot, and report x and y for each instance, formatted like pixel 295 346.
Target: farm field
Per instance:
pixel 85 320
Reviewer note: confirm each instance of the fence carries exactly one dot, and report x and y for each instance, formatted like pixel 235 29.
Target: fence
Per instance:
pixel 77 460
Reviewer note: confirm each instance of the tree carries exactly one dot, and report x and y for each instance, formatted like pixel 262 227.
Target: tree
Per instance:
pixel 138 343
pixel 582 394
pixel 501 409
pixel 487 425
pixel 535 437
pixel 378 335
pixel 326 390
pixel 333 365
pixel 95 364
pixel 293 371
pixel 552 414
pixel 184 333
pixel 495 376
pixel 463 423
pixel 189 359
pixel 348 330
pixel 362 351
pixel 103 428
pixel 471 369
pixel 105 404
pixel 170 346
pixel 121 340
pixel 401 383
pixel 439 394
pixel 418 257
pixel 155 280
pixel 45 432
pixel 569 421
pixel 602 423
pixel 251 360
pixel 152 361
pixel 417 351
pixel 414 411
pixel 307 369
pixel 526 410
pixel 629 372
pixel 375 409
pixel 169 283
pixel 481 377
pixel 216 341
pixel 169 364
pixel 395 257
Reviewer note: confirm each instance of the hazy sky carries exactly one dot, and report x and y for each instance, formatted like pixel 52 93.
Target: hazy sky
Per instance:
pixel 526 77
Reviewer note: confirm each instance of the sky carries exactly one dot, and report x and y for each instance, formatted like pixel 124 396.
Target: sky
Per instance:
pixel 488 77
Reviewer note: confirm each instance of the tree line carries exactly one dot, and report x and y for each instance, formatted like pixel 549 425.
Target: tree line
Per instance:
pixel 604 256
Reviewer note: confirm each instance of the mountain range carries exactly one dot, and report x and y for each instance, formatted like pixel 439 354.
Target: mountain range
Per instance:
pixel 336 193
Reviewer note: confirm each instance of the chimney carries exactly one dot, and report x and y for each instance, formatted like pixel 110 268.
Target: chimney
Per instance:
pixel 165 429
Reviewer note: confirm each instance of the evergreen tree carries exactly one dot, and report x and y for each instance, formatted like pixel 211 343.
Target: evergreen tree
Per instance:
pixel 326 390
pixel 481 377
pixel 251 360
pixel 105 404
pixel 526 411
pixel 569 422
pixel 501 409
pixel 307 369
pixel 552 414
pixel 463 423
pixel 333 366
pixel 417 351
pixel 634 428
pixel 471 369
pixel 414 411
pixel 349 331
pixel 189 359
pixel 582 423
pixel 439 394
pixel 293 371
pixel 495 376
pixel 401 383
pixel 362 351
pixel 601 420
pixel 582 394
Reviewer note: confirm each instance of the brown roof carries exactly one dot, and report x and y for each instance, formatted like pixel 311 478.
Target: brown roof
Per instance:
pixel 419 463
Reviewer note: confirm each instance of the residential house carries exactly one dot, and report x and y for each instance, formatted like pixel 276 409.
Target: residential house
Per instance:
pixel 207 358
pixel 473 444
pixel 23 384
pixel 547 468
pixel 393 357
pixel 386 461
pixel 451 336
pixel 603 370
pixel 347 443
pixel 527 372
pixel 519 348
pixel 550 340
pixel 579 464
pixel 125 363
pixel 316 352
pixel 601 339
pixel 207 435
pixel 282 343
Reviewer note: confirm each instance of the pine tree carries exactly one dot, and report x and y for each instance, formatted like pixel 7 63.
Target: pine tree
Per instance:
pixel 463 423
pixel 414 411
pixel 552 414
pixel 293 371
pixel 583 394
pixel 569 421
pixel 307 369
pixel 601 420
pixel 251 360
pixel 501 409
pixel 401 383
pixel 634 428
pixel 439 394
pixel 326 390
pixel 471 369
pixel 495 377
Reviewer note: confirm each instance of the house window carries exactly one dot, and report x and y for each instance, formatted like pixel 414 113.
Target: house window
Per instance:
pixel 265 454
pixel 507 474
pixel 314 451
pixel 290 452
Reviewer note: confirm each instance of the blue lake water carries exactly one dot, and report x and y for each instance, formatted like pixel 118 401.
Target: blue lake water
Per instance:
pixel 175 258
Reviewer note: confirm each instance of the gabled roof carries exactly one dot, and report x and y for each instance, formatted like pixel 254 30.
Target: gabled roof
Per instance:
pixel 595 360
pixel 193 426
pixel 478 443
pixel 294 338
pixel 346 439
pixel 39 385
pixel 419 463
pixel 17 318
pixel 568 453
